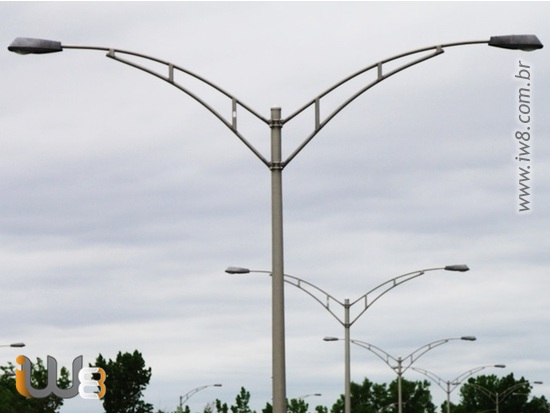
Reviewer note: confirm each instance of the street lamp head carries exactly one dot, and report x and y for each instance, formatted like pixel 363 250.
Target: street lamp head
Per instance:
pixel 17 345
pixel 526 43
pixel 217 385
pixel 500 366
pixel 234 270
pixel 457 268
pixel 468 338
pixel 330 338
pixel 26 46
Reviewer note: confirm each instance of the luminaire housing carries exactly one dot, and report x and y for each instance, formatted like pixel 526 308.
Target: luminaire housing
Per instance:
pixel 526 43
pixel 28 46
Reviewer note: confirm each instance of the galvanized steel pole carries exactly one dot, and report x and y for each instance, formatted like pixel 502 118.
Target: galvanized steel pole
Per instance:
pixel 278 296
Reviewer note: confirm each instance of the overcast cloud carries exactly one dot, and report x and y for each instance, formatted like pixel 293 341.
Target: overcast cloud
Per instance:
pixel 123 200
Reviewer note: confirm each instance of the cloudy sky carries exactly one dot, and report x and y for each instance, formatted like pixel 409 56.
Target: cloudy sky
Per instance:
pixel 123 200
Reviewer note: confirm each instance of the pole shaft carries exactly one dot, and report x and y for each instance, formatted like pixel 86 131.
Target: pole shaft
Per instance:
pixel 347 340
pixel 399 390
pixel 278 311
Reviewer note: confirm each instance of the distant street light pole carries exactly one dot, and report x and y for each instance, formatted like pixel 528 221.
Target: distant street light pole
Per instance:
pixel 497 397
pixel 364 302
pixel 184 398
pixel 451 385
pixel 275 162
pixel 400 368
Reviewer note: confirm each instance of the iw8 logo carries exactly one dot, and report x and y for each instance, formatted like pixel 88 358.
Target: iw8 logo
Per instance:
pixel 82 379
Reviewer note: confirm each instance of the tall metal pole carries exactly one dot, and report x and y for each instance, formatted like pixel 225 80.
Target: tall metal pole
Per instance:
pixel 448 391
pixel 399 389
pixel 347 341
pixel 278 311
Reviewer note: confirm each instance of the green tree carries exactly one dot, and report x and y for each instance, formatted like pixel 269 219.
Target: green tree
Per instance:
pixel 489 393
pixel 294 405
pixel 127 378
pixel 242 402
pixel 365 398
pixel 221 408
pixel 12 401
pixel 297 405
pixel 416 396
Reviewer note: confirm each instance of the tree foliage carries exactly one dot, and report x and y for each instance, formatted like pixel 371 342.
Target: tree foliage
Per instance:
pixel 242 402
pixel 127 378
pixel 294 405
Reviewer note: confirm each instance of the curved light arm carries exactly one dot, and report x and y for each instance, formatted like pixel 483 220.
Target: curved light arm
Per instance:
pixel 185 397
pixel 522 42
pixel 25 46
pixel 452 384
pixel 325 299
pixel 322 297
pixel 39 46
pixel 412 357
pixel 316 102
pixel 169 77
pixel 373 295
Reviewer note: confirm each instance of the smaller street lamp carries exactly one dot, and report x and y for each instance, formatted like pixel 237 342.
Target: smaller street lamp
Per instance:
pixel 497 397
pixel 14 345
pixel 455 382
pixel 184 398
pixel 412 357
pixel 364 302
pixel 303 397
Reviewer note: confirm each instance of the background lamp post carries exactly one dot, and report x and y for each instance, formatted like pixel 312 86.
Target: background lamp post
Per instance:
pixel 275 163
pixel 497 397
pixel 364 302
pixel 184 398
pixel 15 345
pixel 451 385
pixel 400 368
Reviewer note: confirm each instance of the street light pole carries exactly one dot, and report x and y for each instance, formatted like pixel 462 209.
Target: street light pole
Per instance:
pixel 496 396
pixel 277 283
pixel 347 357
pixel 455 382
pixel 184 398
pixel 412 357
pixel 22 45
pixel 365 301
